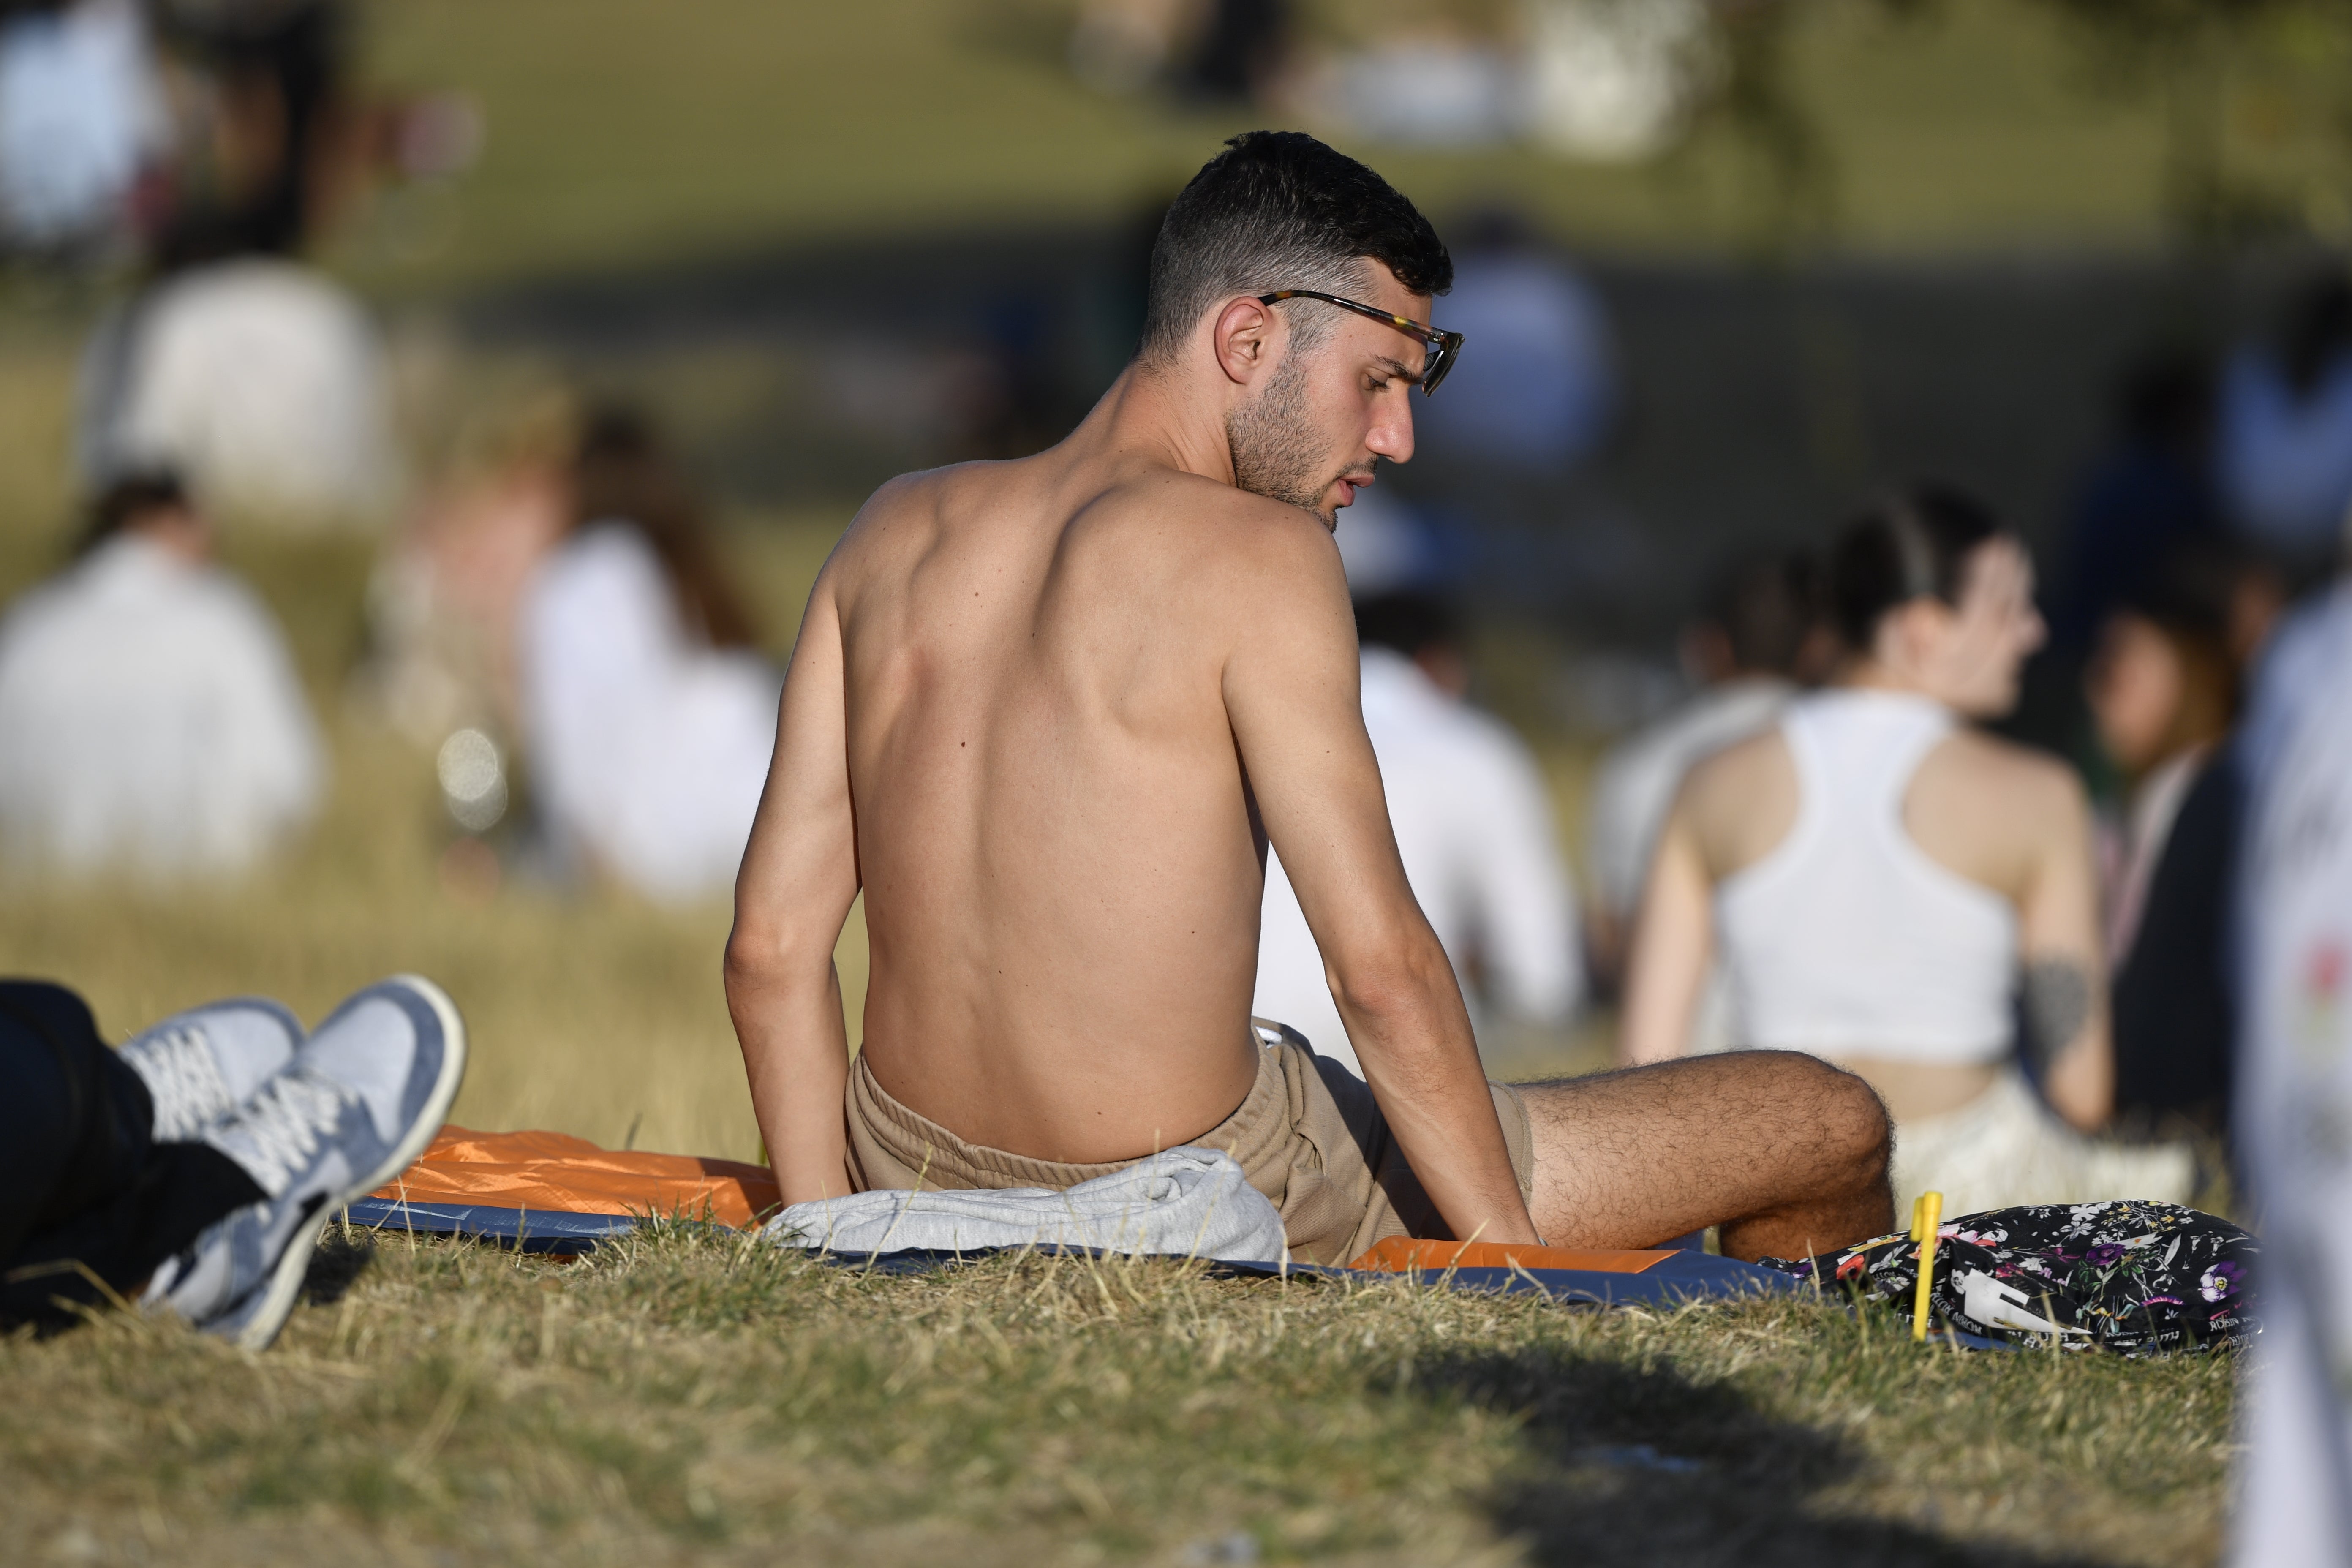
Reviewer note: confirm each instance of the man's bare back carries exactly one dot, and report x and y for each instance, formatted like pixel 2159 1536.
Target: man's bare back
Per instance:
pixel 1047 715
pixel 1062 869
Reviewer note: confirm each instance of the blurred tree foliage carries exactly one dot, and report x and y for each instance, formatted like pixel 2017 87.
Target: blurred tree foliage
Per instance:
pixel 2243 88
pixel 2230 73
pixel 1756 100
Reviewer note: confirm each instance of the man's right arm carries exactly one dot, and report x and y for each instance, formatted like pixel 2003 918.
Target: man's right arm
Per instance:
pixel 798 880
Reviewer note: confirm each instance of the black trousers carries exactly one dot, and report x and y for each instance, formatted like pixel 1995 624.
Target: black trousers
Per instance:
pixel 82 1180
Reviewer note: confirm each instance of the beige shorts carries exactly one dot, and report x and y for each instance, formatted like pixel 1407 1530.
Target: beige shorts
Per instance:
pixel 1310 1137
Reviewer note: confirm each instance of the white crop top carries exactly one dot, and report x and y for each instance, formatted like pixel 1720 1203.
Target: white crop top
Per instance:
pixel 1847 938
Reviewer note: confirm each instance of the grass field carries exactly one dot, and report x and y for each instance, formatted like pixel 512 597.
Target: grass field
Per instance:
pixel 691 1399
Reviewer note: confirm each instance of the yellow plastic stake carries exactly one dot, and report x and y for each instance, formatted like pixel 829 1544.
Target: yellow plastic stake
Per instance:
pixel 1926 1216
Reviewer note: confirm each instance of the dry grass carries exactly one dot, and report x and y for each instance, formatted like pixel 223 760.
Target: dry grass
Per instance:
pixel 698 1397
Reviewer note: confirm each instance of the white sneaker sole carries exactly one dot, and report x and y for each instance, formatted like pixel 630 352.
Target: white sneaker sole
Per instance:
pixel 285 1283
pixel 286 1278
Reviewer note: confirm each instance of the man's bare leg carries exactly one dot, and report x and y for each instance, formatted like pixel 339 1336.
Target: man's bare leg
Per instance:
pixel 1787 1153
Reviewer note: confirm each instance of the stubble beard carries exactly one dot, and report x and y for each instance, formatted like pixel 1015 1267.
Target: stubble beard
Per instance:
pixel 1275 451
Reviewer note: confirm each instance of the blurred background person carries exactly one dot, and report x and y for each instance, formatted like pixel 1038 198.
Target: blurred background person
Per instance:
pixel 445 600
pixel 268 140
pixel 82 118
pixel 150 716
pixel 1757 639
pixel 1474 828
pixel 261 379
pixel 258 376
pixel 1214 52
pixel 2293 1104
pixel 2150 490
pixel 2285 449
pixel 648 717
pixel 1881 881
pixel 2164 690
pixel 1540 394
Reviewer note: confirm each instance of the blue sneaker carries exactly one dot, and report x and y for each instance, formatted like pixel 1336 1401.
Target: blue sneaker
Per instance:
pixel 201 1065
pixel 358 1103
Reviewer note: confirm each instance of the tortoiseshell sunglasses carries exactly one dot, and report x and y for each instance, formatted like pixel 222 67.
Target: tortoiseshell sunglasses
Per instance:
pixel 1443 347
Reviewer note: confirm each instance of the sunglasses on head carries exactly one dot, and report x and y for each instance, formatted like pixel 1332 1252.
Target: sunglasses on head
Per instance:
pixel 1443 347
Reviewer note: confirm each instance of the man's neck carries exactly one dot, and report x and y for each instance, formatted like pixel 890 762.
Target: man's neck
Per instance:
pixel 1149 416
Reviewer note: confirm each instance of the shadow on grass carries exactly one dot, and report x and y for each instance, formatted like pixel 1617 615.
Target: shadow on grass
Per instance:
pixel 336 1267
pixel 1632 1465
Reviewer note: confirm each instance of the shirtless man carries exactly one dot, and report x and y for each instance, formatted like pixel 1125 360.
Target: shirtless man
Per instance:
pixel 1048 713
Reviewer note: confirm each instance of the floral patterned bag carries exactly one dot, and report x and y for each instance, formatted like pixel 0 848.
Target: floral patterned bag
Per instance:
pixel 2139 1278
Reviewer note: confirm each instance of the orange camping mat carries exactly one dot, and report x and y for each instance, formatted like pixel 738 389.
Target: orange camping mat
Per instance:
pixel 1401 1254
pixel 553 1173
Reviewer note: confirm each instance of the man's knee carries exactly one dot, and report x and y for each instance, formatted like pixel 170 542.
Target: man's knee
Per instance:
pixel 1855 1119
pixel 1845 1114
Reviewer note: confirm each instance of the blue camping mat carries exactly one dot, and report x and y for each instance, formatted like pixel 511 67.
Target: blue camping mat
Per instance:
pixel 1681 1276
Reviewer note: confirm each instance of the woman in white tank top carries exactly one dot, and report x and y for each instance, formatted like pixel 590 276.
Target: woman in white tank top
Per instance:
pixel 1886 884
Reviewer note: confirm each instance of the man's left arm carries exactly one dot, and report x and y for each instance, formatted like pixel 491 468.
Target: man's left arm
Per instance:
pixel 1291 693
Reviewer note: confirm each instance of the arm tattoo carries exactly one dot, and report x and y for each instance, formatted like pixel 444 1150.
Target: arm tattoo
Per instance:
pixel 2057 1007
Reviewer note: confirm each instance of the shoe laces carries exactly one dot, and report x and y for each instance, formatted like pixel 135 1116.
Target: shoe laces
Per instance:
pixel 184 1079
pixel 282 1126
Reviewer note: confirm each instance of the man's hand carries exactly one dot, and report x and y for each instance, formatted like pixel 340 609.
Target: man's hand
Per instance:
pixel 1292 692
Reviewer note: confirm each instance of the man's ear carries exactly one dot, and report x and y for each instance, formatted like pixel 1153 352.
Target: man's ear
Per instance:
pixel 1243 338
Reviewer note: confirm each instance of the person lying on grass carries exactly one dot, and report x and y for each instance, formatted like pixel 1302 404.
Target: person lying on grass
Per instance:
pixel 1047 715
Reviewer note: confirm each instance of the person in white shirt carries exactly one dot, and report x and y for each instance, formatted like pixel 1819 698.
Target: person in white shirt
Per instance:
pixel 1883 882
pixel 2292 1106
pixel 1759 637
pixel 150 717
pixel 648 717
pixel 262 379
pixel 1473 825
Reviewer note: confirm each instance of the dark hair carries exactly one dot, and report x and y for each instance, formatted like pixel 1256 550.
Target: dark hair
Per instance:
pixel 622 473
pixel 127 498
pixel 1766 606
pixel 1277 210
pixel 1912 542
pixel 2192 589
pixel 1406 621
pixel 2167 398
pixel 2190 595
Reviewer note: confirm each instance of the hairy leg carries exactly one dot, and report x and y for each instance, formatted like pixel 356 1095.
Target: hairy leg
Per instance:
pixel 1787 1153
